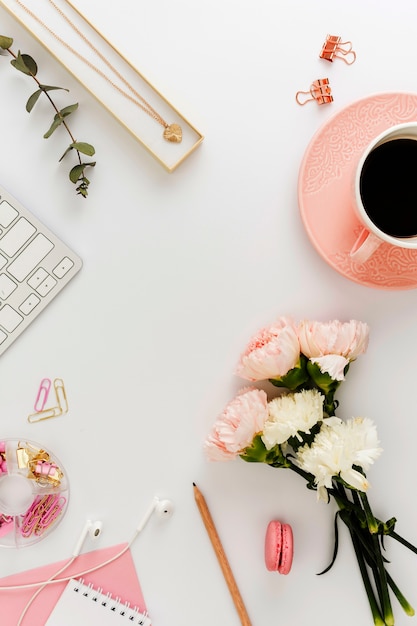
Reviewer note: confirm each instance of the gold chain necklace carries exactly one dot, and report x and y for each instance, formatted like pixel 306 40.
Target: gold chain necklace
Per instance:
pixel 172 132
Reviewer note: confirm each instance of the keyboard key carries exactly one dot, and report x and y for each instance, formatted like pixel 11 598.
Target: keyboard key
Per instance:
pixel 3 261
pixel 3 336
pixel 30 257
pixel 45 287
pixel 29 304
pixel 17 236
pixel 7 214
pixel 37 277
pixel 63 267
pixel 7 286
pixel 9 318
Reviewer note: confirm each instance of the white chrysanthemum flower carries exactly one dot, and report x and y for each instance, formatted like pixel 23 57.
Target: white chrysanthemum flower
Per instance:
pixel 336 449
pixel 291 414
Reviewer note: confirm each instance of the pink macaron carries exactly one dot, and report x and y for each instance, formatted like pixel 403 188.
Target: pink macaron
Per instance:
pixel 279 547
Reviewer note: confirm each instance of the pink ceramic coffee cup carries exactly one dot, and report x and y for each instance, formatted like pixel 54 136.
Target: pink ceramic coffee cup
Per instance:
pixel 371 235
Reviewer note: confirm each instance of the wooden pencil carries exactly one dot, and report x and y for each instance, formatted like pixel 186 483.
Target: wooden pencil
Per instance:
pixel 221 556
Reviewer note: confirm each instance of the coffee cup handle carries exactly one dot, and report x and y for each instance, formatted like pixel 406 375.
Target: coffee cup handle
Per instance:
pixel 364 246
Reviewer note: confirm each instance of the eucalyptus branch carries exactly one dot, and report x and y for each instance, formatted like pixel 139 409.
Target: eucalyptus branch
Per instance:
pixel 27 65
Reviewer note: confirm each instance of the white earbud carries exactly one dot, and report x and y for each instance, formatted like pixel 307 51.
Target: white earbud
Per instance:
pixel 163 508
pixel 93 529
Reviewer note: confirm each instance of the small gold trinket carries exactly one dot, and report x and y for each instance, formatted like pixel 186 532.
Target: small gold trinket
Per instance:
pixel 173 133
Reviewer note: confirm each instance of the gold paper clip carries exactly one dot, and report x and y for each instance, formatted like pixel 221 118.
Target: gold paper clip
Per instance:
pixel 334 48
pixel 46 414
pixel 320 91
pixel 61 395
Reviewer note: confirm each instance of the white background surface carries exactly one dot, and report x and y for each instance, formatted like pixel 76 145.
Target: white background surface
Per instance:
pixel 179 270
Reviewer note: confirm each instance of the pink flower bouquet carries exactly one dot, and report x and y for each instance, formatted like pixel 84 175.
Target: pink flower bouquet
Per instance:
pixel 299 431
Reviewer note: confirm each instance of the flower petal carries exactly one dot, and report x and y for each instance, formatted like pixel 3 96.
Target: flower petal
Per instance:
pixel 332 364
pixel 271 353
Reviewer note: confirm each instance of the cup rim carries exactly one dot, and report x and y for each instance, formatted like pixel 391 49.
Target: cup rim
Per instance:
pixel 403 242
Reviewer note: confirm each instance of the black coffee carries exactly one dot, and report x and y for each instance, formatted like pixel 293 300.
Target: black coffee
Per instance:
pixel 388 187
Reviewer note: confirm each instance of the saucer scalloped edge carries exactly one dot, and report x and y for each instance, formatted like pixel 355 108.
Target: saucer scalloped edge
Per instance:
pixel 325 189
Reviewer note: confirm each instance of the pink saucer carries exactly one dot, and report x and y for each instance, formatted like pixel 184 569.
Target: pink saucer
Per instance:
pixel 325 191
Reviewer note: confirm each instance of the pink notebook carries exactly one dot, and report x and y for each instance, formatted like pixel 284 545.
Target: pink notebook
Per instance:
pixel 118 578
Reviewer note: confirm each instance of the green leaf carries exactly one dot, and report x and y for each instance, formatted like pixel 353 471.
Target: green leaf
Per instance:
pixel 30 64
pixel 83 147
pixel 33 100
pixel 24 63
pixel 57 122
pixel 5 42
pixel 78 170
pixel 59 118
pixel 68 110
pixel 256 452
pixel 66 152
pixel 34 97
pixel 323 380
pixel 51 87
pixel 295 378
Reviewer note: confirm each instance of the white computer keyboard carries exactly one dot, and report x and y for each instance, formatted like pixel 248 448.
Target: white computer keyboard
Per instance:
pixel 34 266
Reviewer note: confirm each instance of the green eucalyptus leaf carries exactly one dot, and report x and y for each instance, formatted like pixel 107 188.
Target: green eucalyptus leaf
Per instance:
pixel 83 147
pixel 30 64
pixel 66 152
pixel 57 122
pixel 5 42
pixel 51 87
pixel 24 63
pixel 77 171
pixel 34 97
pixel 33 100
pixel 19 64
pixel 68 110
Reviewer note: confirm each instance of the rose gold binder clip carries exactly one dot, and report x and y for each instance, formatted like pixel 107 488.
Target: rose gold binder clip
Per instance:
pixel 333 48
pixel 320 91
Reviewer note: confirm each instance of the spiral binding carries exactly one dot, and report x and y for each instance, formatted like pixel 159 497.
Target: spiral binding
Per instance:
pixel 132 614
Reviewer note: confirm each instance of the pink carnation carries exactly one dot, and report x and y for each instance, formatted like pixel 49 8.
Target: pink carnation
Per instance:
pixel 271 353
pixel 242 419
pixel 332 345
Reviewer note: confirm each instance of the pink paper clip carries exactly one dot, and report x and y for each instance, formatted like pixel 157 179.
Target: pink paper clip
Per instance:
pixel 320 91
pixel 334 48
pixel 43 393
pixel 41 514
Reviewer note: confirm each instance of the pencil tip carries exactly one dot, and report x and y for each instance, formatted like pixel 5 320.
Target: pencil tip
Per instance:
pixel 194 485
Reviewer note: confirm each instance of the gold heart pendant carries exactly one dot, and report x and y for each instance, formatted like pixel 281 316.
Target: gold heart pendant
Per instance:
pixel 173 133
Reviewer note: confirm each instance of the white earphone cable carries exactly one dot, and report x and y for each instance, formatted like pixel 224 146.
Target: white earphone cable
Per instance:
pixel 166 508
pixel 54 580
pixel 38 591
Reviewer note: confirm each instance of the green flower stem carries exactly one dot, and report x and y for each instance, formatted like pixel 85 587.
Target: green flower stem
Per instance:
pixel 408 609
pixel 308 477
pixel 372 523
pixel 400 539
pixel 380 573
pixel 376 614
pixel 330 405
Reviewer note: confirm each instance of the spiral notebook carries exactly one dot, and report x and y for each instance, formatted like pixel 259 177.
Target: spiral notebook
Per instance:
pixel 82 604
